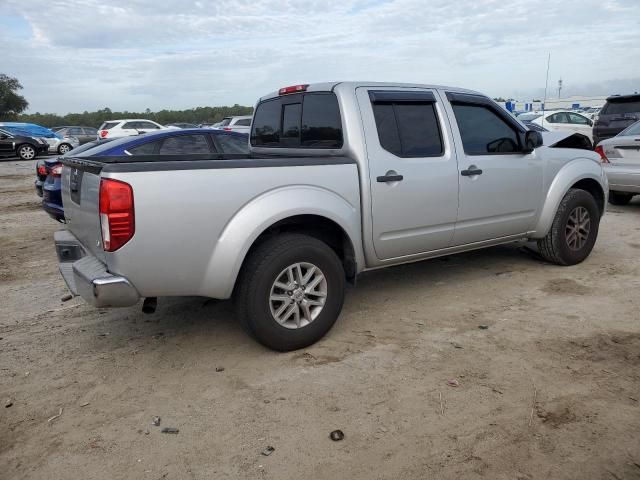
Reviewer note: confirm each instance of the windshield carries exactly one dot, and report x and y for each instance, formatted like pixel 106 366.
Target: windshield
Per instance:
pixel 86 146
pixel 629 131
pixel 225 121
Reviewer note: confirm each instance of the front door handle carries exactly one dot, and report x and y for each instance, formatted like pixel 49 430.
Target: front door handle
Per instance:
pixel 390 178
pixel 471 172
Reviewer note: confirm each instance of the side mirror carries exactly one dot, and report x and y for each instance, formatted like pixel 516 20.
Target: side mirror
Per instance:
pixel 532 140
pixel 591 123
pixel 3 136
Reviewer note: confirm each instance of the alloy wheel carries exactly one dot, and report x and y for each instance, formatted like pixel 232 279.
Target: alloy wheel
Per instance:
pixel 578 228
pixel 298 295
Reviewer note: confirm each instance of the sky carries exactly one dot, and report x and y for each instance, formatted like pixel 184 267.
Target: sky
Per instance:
pixel 78 55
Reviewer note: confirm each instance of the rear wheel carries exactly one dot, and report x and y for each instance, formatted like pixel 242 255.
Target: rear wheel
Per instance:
pixel 290 291
pixel 619 198
pixel 64 148
pixel 574 229
pixel 26 152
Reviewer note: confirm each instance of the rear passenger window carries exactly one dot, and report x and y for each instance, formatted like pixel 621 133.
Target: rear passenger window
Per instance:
pixel 408 129
pixel 483 131
pixel 184 145
pixel 310 120
pixel 232 143
pixel 148 148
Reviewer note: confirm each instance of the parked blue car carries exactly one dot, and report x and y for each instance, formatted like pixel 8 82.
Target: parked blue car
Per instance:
pixel 164 142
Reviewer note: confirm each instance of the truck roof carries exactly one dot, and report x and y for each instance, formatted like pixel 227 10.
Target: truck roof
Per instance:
pixel 330 86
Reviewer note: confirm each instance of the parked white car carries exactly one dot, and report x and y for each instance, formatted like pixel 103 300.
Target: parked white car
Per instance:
pixel 241 124
pixel 566 121
pixel 127 128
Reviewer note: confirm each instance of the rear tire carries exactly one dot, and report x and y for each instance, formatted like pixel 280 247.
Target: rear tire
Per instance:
pixel 26 152
pixel 619 198
pixel 269 285
pixel 574 229
pixel 64 148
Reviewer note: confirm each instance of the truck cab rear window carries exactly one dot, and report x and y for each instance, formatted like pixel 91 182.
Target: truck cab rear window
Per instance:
pixel 310 120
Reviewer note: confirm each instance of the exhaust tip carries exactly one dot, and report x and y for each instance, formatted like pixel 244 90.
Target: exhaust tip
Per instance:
pixel 149 305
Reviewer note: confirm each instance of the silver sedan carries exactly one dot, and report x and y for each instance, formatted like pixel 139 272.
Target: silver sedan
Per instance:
pixel 621 161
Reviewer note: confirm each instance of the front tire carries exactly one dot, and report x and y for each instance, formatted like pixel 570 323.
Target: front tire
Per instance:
pixel 574 229
pixel 26 152
pixel 64 148
pixel 619 198
pixel 290 291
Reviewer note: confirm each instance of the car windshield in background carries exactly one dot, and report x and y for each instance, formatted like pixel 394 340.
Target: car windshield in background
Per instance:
pixel 225 121
pixel 527 117
pixel 631 131
pixel 102 146
pixel 85 147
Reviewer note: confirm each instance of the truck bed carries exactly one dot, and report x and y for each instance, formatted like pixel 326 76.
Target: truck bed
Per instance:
pixel 186 211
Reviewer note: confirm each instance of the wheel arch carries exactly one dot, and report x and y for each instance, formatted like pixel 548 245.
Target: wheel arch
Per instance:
pixel 315 211
pixel 581 173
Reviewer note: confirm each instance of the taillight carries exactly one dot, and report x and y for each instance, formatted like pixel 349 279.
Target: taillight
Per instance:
pixel 292 89
pixel 228 129
pixel 600 151
pixel 116 213
pixel 42 170
pixel 56 170
pixel 104 133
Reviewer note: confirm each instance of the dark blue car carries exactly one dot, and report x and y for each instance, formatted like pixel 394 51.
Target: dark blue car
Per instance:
pixel 164 142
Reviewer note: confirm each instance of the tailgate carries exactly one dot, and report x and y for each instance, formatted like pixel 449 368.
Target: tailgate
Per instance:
pixel 80 199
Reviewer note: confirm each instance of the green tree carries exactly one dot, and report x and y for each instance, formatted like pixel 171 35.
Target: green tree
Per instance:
pixel 11 104
pixel 94 119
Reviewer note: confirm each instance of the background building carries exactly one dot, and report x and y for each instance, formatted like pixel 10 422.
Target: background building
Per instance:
pixel 576 102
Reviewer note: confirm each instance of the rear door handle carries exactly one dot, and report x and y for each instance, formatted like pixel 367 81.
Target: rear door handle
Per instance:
pixel 471 172
pixel 389 178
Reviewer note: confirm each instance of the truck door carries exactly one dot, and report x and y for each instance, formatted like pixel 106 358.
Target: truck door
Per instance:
pixel 413 173
pixel 500 185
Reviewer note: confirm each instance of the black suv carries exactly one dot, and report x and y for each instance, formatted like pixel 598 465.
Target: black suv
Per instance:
pixel 618 113
pixel 26 148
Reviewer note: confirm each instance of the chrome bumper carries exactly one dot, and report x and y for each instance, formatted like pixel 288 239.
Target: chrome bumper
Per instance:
pixel 88 277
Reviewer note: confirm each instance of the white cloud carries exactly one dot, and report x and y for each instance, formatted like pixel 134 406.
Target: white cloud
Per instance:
pixel 178 54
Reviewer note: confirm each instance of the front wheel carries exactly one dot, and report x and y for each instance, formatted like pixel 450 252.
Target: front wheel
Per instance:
pixel 619 198
pixel 574 229
pixel 64 148
pixel 290 291
pixel 26 152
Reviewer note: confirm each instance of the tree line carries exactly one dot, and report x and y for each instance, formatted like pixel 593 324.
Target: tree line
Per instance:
pixel 196 115
pixel 12 104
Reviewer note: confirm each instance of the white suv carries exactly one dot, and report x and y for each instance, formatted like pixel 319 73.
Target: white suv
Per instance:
pixel 127 128
pixel 236 124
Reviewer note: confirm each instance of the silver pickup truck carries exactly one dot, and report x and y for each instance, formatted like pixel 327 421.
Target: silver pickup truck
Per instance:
pixel 342 178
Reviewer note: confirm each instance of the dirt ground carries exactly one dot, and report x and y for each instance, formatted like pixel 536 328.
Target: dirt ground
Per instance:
pixel 550 390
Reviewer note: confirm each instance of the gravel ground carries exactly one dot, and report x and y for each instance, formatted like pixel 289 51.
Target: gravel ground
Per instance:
pixel 551 389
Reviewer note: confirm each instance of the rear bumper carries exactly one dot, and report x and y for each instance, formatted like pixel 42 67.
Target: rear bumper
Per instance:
pixel 88 277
